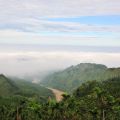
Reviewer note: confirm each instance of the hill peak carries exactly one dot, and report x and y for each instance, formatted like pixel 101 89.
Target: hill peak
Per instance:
pixel 74 76
pixel 2 75
pixel 86 66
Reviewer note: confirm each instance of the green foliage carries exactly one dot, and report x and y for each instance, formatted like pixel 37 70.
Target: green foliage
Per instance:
pixel 9 87
pixel 93 100
pixel 71 78
pixel 29 89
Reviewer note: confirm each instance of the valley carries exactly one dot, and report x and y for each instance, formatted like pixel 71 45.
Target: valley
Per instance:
pixel 62 96
pixel 58 94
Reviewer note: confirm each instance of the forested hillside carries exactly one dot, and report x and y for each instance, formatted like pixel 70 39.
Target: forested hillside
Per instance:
pixel 10 87
pixel 72 77
pixel 92 100
pixel 7 86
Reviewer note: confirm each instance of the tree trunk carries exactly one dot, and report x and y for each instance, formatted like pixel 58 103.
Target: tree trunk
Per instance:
pixel 18 116
pixel 103 112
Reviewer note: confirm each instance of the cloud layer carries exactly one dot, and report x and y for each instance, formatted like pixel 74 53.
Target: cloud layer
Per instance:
pixel 28 63
pixel 30 15
pixel 28 22
pixel 53 8
pixel 15 37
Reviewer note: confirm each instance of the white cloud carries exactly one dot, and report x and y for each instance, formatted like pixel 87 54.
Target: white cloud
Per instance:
pixel 34 62
pixel 37 26
pixel 23 21
pixel 27 15
pixel 16 37
pixel 55 8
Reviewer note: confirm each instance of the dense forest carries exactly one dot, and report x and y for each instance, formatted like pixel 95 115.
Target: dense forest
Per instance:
pixel 93 100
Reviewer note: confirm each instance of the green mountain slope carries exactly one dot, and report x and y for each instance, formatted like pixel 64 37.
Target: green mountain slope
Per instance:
pixel 29 89
pixel 112 86
pixel 7 87
pixel 72 77
pixel 10 87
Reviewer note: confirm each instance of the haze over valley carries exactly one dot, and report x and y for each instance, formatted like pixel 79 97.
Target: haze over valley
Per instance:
pixel 59 59
pixel 39 60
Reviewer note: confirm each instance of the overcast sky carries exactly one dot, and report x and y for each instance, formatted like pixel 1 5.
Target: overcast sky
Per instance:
pixel 65 32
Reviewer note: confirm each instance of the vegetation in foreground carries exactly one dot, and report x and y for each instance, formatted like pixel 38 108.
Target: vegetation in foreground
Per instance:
pixel 91 101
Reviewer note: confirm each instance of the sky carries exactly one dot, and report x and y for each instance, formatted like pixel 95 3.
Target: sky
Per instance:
pixel 54 34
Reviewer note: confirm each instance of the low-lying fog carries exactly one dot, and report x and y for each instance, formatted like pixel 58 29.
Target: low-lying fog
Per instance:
pixel 31 60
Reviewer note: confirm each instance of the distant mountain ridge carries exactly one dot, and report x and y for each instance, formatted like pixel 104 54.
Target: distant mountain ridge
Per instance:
pixel 72 77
